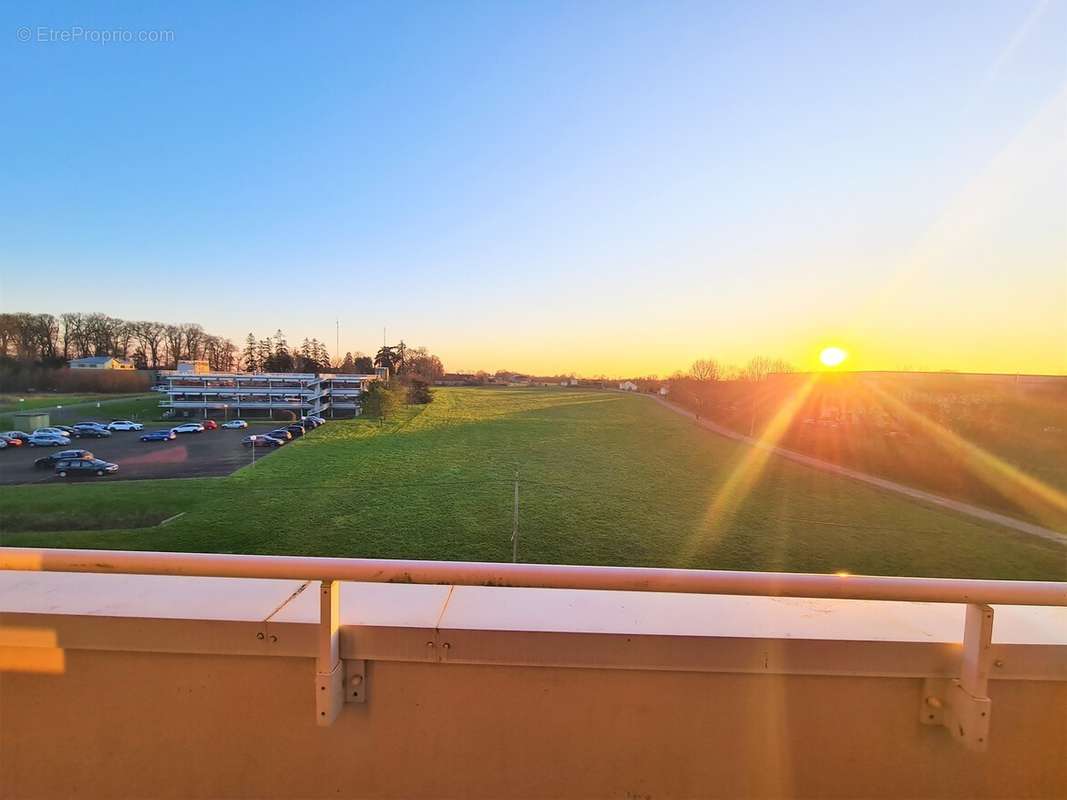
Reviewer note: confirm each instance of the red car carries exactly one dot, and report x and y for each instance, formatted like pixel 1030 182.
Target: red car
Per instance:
pixel 209 424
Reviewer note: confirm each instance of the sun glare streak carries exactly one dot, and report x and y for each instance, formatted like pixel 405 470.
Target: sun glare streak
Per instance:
pixel 745 474
pixel 1010 481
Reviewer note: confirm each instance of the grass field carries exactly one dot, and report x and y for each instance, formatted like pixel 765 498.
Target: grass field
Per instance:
pixel 142 407
pixel 605 478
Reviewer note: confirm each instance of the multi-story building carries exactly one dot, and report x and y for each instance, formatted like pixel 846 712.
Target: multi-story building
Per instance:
pixel 263 393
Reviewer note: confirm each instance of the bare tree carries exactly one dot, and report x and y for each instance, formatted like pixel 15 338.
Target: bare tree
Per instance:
pixel 150 335
pixel 706 369
pixel 173 336
pixel 194 337
pixel 760 367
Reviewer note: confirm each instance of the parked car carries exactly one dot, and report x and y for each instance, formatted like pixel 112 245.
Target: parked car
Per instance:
pixel 159 436
pixel 233 424
pixel 67 430
pixel 124 425
pixel 260 441
pixel 3 443
pixel 56 431
pixel 296 430
pixel 47 440
pixel 91 432
pixel 50 460
pixel 317 419
pixel 188 427
pixel 20 435
pixel 10 441
pixel 281 433
pixel 209 424
pixel 79 467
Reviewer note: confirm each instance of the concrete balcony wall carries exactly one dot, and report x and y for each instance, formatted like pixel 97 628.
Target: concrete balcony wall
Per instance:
pixel 198 687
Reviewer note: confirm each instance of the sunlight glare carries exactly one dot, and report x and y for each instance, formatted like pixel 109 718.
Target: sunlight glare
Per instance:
pixel 832 356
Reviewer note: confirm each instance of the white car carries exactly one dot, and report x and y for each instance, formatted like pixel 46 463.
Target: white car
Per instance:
pixel 39 439
pixel 124 425
pixel 188 427
pixel 235 423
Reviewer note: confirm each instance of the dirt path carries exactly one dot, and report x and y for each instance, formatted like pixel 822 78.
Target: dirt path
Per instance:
pixel 915 494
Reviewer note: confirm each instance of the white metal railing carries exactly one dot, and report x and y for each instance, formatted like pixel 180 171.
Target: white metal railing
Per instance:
pixel 547 576
pixel 961 705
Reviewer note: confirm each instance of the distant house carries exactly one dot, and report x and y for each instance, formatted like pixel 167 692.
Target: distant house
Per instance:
pixel 664 391
pixel 193 367
pixel 101 362
pixel 628 386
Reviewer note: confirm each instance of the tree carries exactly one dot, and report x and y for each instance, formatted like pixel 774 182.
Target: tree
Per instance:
pixel 423 365
pixel 706 369
pixel 265 355
pixel 173 336
pixel 250 355
pixel 382 400
pixel 283 359
pixel 364 365
pixel 348 364
pixel 386 358
pixel 760 367
pixel 419 392
pixel 194 337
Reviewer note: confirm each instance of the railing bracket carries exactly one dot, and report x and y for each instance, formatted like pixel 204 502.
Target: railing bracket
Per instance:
pixel 962 705
pixel 355 680
pixel 329 671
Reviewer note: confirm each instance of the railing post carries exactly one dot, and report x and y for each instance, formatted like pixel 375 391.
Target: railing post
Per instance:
pixel 329 673
pixel 962 704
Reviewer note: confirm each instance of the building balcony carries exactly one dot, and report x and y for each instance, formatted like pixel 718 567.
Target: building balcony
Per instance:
pixel 181 686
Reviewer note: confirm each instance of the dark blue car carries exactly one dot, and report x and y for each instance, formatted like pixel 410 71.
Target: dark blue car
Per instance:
pixel 159 436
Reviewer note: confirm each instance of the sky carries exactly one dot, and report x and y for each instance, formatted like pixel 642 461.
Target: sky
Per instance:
pixel 599 188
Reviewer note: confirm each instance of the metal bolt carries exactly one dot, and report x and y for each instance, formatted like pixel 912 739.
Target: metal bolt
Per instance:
pixel 999 662
pixel 273 638
pixel 447 646
pixel 357 680
pixel 429 644
pixel 933 702
pixel 259 635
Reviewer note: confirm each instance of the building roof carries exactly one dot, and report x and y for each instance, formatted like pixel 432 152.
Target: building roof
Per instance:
pixel 96 360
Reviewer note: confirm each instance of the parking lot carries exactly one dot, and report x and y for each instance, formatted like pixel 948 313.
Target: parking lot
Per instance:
pixel 191 455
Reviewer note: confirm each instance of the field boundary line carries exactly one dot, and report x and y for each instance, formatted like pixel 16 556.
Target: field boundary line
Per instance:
pixel 873 480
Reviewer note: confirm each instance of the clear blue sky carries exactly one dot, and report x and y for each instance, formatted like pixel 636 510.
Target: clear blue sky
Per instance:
pixel 600 187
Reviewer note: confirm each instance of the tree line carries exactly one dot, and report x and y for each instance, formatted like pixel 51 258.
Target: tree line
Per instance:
pixel 50 341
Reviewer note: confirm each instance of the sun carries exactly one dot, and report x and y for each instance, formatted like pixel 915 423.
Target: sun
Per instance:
pixel 832 356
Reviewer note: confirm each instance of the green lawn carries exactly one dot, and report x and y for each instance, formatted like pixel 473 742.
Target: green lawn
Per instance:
pixel 75 408
pixel 605 478
pixel 11 402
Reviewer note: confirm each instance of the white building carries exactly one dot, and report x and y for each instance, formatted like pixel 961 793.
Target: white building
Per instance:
pixel 628 386
pixel 101 362
pixel 234 393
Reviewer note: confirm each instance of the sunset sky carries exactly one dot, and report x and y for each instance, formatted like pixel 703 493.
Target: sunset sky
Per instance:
pixel 613 188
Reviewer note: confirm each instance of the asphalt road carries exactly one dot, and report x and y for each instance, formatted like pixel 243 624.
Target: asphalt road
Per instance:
pixel 191 455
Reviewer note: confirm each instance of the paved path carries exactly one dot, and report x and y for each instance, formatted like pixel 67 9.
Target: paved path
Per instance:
pixel 916 494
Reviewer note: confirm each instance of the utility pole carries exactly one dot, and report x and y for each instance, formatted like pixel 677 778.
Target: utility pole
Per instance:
pixel 515 524
pixel 337 344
